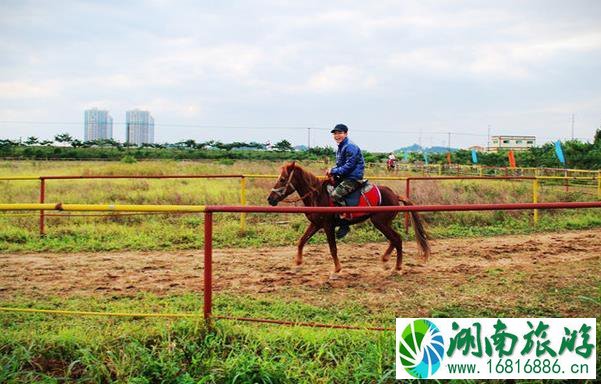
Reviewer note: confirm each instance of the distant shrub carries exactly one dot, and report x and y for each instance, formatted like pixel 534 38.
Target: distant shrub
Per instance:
pixel 226 161
pixel 127 159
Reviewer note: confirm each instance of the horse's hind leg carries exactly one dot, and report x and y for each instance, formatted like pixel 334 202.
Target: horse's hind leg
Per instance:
pixel 392 236
pixel 386 255
pixel 310 231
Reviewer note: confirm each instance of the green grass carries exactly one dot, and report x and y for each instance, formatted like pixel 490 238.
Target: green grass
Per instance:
pixel 90 349
pixel 57 348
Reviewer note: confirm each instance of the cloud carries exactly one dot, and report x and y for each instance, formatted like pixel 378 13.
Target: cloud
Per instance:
pixel 29 90
pixel 340 78
pixel 515 59
pixel 163 106
pixel 410 63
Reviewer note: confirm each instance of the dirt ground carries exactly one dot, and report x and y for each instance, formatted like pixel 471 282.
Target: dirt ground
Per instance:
pixel 517 269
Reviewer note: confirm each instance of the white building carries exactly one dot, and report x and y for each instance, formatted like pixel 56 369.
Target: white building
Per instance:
pixel 139 127
pixel 98 125
pixel 516 143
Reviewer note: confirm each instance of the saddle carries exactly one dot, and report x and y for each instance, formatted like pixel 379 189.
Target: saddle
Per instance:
pixel 366 195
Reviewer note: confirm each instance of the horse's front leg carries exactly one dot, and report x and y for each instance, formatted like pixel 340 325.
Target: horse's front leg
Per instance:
pixel 309 232
pixel 331 236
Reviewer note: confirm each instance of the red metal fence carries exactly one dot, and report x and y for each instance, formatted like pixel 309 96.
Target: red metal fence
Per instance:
pixel 208 233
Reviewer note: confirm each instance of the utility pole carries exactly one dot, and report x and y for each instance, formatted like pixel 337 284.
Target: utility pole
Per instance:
pixel 488 139
pixel 449 141
pixel 309 138
pixel 572 126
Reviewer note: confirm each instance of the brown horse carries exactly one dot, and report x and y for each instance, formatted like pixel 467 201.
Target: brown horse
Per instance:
pixel 313 193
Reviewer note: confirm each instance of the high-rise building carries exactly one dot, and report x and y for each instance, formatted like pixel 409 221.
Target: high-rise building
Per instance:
pixel 98 125
pixel 139 127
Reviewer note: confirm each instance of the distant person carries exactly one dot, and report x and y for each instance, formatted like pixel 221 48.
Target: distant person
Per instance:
pixel 391 162
pixel 347 173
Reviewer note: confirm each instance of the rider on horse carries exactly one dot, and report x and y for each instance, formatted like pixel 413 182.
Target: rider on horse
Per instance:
pixel 348 171
pixel 391 162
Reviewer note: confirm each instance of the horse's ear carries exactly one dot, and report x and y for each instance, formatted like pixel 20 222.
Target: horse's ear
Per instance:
pixel 293 164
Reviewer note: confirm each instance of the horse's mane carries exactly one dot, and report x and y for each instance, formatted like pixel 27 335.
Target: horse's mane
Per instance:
pixel 309 178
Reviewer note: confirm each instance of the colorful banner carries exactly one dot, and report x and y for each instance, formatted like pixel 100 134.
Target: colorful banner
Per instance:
pixel 559 152
pixel 449 158
pixel 406 157
pixel 426 157
pixel 474 156
pixel 511 157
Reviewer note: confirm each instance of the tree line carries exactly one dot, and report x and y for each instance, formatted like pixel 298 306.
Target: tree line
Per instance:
pixel 64 146
pixel 578 154
pixel 65 138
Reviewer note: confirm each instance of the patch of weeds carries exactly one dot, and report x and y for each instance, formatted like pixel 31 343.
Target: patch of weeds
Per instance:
pixel 532 311
pixel 494 271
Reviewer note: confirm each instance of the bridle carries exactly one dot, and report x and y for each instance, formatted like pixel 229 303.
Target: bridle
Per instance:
pixel 281 191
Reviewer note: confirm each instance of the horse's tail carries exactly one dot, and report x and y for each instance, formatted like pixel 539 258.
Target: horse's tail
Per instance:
pixel 420 233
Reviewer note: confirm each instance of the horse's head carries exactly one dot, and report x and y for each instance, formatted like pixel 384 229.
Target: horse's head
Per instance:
pixel 283 186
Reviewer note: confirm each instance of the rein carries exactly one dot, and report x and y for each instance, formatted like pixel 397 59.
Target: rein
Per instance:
pixel 282 190
pixel 313 190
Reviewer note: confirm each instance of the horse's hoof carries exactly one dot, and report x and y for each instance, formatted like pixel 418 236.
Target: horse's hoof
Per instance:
pixel 334 276
pixel 296 268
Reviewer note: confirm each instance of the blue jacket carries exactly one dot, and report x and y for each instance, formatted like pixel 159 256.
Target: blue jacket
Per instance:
pixel 349 161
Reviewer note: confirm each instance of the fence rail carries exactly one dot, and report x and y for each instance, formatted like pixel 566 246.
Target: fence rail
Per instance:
pixel 244 177
pixel 209 210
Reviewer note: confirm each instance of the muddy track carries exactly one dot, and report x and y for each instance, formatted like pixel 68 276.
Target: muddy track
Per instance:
pixel 553 259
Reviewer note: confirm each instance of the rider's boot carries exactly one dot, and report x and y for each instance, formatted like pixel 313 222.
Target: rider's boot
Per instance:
pixel 344 228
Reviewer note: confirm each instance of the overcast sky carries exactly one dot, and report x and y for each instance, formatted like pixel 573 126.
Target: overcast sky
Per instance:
pixel 267 70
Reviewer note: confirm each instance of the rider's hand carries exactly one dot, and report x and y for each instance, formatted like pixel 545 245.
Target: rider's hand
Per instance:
pixel 328 172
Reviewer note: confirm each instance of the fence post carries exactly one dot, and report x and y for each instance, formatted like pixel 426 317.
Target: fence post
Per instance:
pixel 535 199
pixel 42 198
pixel 599 185
pixel 208 266
pixel 407 192
pixel 243 202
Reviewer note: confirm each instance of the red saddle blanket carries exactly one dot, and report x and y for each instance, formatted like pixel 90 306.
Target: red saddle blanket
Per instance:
pixel 371 198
